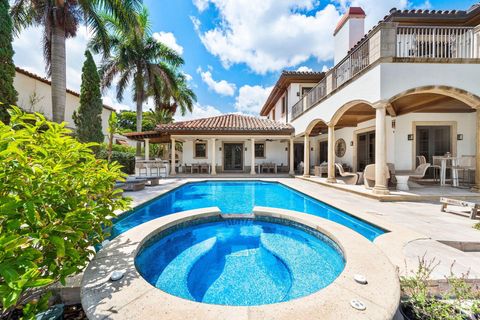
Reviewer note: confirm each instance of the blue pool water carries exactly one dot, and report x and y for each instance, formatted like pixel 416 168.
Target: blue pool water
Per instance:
pixel 239 197
pixel 240 262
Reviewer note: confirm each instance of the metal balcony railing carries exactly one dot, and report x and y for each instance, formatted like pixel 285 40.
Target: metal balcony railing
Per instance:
pixel 403 42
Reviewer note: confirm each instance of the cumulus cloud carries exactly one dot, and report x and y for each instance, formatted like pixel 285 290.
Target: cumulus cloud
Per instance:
pixel 221 87
pixel 198 112
pixel 271 35
pixel 250 99
pixel 168 39
pixel 305 69
pixel 278 34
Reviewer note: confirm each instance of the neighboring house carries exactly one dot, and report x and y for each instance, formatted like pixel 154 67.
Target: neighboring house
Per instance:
pixel 34 95
pixel 408 87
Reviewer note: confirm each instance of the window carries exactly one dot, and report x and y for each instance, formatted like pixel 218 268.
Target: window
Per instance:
pixel 200 150
pixel 259 150
pixel 305 90
pixel 273 114
pixel 284 104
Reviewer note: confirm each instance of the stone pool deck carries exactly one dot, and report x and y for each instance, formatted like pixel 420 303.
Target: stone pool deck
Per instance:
pixel 417 228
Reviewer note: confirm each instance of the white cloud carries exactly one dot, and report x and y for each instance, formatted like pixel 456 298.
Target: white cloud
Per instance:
pixel 198 112
pixel 168 39
pixel 201 4
pixel 305 69
pixel 221 87
pixel 188 77
pixel 250 99
pixel 325 68
pixel 258 35
pixel 112 102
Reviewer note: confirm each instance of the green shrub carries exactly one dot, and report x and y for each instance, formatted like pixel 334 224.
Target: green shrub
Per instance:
pixel 125 159
pixel 477 226
pixel 420 304
pixel 119 148
pixel 55 198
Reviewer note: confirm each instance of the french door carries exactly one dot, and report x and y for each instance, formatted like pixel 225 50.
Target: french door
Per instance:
pixel 433 141
pixel 365 150
pixel 233 157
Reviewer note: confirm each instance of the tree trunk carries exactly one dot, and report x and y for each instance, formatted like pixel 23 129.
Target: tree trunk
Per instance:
pixel 139 120
pixel 58 70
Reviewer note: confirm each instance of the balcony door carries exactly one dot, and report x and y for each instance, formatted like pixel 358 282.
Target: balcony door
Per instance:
pixel 365 149
pixel 233 157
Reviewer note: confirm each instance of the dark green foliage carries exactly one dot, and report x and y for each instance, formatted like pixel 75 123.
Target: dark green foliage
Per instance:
pixel 88 119
pixel 56 198
pixel 8 95
pixel 125 159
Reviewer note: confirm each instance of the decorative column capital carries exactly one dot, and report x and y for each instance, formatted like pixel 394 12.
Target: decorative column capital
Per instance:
pixel 382 104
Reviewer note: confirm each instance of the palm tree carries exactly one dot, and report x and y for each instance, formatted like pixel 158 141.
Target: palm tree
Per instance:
pixel 183 97
pixel 60 20
pixel 159 116
pixel 138 58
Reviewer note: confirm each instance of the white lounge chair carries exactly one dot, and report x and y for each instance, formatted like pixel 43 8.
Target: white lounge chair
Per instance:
pixel 369 176
pixel 348 177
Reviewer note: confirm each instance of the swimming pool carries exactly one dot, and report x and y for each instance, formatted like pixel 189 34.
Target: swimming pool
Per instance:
pixel 239 197
pixel 240 262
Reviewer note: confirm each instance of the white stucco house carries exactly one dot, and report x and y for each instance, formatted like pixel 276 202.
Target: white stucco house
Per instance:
pixel 34 95
pixel 408 87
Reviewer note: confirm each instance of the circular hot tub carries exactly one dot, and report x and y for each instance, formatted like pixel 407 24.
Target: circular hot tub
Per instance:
pixel 240 262
pixel 280 265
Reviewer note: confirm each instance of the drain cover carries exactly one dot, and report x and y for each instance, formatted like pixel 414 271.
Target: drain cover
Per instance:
pixel 357 304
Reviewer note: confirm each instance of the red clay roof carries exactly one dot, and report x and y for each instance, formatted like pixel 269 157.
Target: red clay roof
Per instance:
pixel 356 12
pixel 227 124
pixel 46 81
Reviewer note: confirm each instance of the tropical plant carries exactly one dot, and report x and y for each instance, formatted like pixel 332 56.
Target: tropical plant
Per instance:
pixel 158 116
pixel 60 19
pixel 56 198
pixel 182 97
pixel 88 119
pixel 420 304
pixel 112 130
pixel 138 58
pixel 8 95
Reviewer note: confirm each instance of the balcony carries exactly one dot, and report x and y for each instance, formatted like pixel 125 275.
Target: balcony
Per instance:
pixel 390 42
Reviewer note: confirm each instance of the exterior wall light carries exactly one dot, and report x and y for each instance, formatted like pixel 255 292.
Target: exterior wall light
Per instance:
pixel 410 137
pixel 460 137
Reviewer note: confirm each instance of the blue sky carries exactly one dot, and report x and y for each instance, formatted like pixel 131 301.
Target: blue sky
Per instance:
pixel 234 49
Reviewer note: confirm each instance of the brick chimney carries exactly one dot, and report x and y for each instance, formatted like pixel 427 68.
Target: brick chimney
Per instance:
pixel 350 29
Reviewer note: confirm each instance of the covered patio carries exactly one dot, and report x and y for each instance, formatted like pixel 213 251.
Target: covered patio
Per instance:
pixel 434 126
pixel 229 145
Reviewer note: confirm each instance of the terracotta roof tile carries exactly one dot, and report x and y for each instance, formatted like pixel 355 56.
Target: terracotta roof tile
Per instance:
pixel 227 123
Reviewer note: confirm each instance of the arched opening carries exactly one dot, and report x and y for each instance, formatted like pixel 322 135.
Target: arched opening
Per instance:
pixel 314 148
pixel 434 122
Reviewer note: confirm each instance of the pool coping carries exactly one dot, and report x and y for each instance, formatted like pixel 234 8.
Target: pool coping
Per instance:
pixel 133 297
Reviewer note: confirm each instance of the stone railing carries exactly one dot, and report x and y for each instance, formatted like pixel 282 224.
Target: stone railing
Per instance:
pixel 388 40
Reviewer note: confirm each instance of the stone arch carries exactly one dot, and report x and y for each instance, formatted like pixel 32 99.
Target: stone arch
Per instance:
pixel 314 125
pixel 469 99
pixel 346 107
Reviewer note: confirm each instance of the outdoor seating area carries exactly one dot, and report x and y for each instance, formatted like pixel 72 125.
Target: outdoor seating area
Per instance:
pixel 151 168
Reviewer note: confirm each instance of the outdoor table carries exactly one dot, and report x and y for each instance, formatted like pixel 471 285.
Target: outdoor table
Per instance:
pixel 443 170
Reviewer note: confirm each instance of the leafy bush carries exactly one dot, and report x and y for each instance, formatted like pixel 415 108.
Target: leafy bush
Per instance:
pixel 126 160
pixel 420 304
pixel 55 198
pixel 119 148
pixel 477 226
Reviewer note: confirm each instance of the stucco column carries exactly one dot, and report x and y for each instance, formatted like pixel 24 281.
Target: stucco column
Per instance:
pixel 252 150
pixel 381 186
pixel 292 169
pixel 306 156
pixel 331 154
pixel 477 166
pixel 213 170
pixel 172 169
pixel 147 149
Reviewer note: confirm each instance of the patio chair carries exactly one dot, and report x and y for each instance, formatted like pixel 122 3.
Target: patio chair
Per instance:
pixel 142 168
pixel 436 166
pixel 204 168
pixel 195 167
pixel 421 159
pixel 348 177
pixel 420 172
pixel 465 165
pixel 369 176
